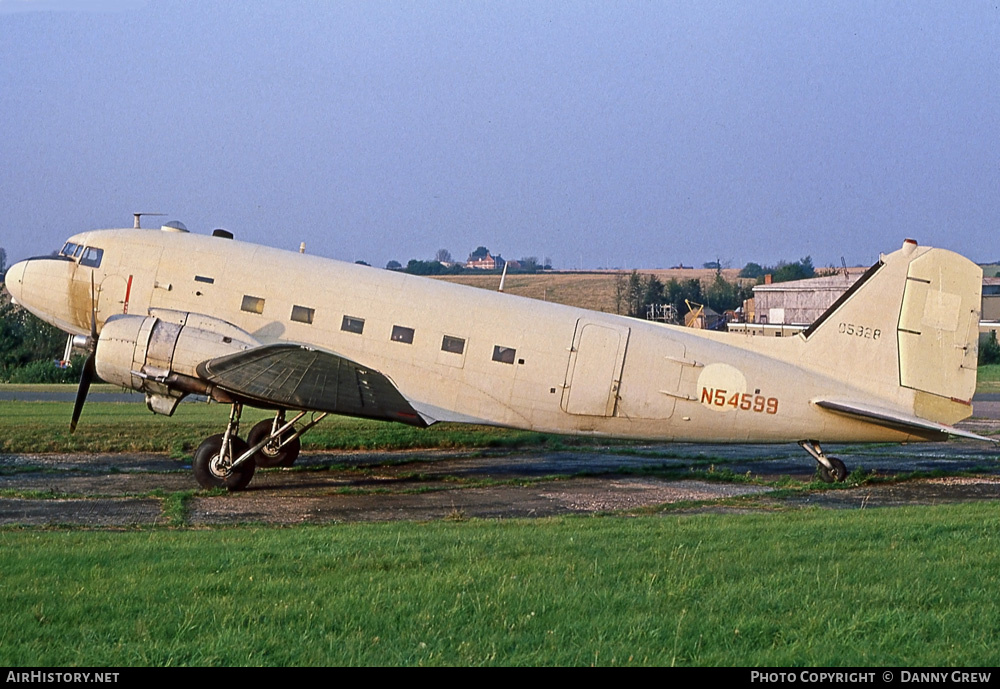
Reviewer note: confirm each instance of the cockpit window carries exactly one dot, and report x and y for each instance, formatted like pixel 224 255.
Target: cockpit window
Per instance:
pixel 92 257
pixel 70 249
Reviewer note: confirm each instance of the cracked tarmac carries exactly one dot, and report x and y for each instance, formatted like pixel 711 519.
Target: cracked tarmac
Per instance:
pixel 123 490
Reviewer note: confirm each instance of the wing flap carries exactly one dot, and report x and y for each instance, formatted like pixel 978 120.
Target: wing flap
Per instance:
pixel 923 428
pixel 296 377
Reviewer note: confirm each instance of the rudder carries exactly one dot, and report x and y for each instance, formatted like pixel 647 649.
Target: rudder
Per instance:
pixel 909 325
pixel 938 332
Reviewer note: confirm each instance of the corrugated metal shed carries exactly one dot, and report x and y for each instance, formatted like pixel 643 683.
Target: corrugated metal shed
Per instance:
pixel 800 302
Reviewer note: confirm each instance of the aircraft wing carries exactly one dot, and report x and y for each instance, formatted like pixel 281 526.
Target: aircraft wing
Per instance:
pixel 894 419
pixel 296 377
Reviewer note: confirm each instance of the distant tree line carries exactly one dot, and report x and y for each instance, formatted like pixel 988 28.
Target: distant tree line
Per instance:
pixel 989 351
pixel 417 267
pixel 442 264
pixel 783 272
pixel 635 293
pixel 30 347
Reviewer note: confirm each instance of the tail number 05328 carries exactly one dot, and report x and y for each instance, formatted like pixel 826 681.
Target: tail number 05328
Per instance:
pixel 859 331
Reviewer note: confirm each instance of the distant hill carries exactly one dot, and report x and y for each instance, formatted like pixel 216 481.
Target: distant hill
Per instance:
pixel 587 289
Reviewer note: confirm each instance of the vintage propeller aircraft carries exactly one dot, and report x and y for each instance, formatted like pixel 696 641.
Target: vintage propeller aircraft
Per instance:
pixel 171 313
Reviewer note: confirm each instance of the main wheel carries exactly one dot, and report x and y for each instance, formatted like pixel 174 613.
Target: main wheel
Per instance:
pixel 270 455
pixel 210 474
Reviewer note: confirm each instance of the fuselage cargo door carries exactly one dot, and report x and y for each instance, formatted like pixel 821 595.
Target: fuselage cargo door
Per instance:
pixel 112 297
pixel 595 369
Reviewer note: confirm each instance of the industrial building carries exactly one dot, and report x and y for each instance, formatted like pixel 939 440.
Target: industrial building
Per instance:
pixel 785 308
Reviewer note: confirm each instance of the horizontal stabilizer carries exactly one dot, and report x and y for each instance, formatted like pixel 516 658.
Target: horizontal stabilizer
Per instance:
pixel 923 428
pixel 295 377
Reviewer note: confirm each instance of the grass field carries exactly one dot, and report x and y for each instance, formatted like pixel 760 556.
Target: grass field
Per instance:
pixel 130 427
pixel 904 587
pixel 988 379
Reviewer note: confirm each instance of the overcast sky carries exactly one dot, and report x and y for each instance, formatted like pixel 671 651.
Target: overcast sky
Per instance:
pixel 599 134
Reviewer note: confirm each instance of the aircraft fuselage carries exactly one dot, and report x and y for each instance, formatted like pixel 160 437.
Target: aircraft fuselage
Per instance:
pixel 463 354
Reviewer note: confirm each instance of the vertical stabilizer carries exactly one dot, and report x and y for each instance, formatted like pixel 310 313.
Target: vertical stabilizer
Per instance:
pixel 908 331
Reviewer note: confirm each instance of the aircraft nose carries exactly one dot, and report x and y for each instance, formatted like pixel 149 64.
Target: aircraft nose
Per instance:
pixel 15 279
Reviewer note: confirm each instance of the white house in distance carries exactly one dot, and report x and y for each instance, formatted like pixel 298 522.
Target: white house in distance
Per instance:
pixel 486 261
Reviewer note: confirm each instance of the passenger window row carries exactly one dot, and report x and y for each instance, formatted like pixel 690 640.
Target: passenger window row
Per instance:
pixel 353 324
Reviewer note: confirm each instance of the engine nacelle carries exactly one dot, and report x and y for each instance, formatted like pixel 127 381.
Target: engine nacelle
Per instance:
pixel 158 354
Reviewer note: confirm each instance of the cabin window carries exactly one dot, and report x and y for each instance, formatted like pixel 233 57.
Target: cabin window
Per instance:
pixel 401 334
pixel 455 345
pixel 92 257
pixel 353 325
pixel 505 355
pixel 303 314
pixel 206 280
pixel 252 304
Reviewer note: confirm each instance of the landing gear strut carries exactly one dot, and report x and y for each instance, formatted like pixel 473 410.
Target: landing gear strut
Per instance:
pixel 225 461
pixel 222 461
pixel 831 469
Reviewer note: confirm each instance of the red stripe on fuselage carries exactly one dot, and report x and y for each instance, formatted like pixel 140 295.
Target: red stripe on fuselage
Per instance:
pixel 128 292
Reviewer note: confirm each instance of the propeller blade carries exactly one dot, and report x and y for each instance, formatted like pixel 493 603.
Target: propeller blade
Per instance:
pixel 90 365
pixel 86 376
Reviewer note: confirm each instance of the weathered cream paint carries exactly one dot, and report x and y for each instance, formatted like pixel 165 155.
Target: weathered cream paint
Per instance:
pixel 574 371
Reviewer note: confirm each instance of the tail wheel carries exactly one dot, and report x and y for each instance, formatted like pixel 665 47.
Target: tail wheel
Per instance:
pixel 838 474
pixel 211 472
pixel 270 455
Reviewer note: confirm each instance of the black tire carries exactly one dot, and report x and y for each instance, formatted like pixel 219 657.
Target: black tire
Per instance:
pixel 209 477
pixel 267 456
pixel 838 474
pixel 840 469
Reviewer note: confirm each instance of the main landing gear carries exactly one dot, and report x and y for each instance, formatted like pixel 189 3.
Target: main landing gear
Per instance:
pixel 831 469
pixel 281 442
pixel 226 461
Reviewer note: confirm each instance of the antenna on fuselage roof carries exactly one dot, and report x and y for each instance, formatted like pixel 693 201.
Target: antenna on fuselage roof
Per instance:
pixel 139 215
